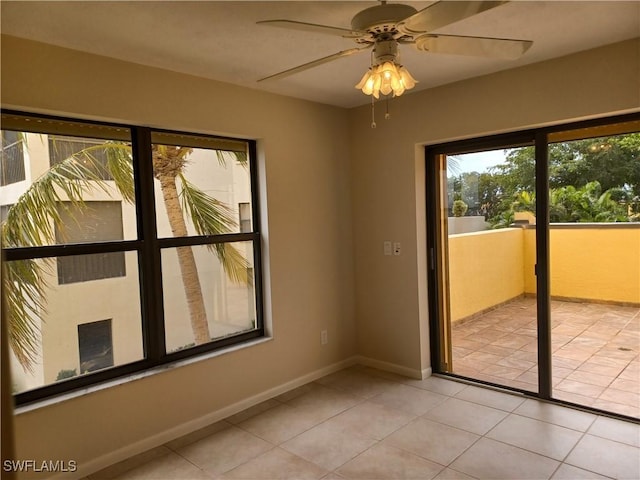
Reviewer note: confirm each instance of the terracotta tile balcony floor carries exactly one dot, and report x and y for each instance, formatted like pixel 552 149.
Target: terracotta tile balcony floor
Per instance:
pixel 595 348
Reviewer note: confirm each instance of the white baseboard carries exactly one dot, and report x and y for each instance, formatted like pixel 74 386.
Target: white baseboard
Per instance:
pixel 161 438
pixel 394 368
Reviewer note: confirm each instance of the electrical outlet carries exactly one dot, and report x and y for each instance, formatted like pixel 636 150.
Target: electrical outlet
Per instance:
pixel 397 249
pixel 324 339
pixel 387 248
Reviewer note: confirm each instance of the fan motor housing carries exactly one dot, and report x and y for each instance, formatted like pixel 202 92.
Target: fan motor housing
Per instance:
pixel 381 19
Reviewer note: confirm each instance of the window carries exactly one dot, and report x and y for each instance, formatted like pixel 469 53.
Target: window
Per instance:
pixel 206 282
pixel 244 211
pixel 94 222
pixel 145 234
pixel 86 150
pixel 11 158
pixel 95 346
pixel 4 211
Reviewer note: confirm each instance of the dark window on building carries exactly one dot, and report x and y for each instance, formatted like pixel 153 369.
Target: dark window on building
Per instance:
pixel 4 212
pixel 97 221
pixel 95 345
pixel 244 211
pixel 87 150
pixel 11 158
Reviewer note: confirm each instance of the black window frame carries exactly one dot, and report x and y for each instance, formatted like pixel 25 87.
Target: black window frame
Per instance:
pixel 148 247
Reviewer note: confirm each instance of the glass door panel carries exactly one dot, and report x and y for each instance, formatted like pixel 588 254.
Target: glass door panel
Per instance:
pixel 488 214
pixel 594 210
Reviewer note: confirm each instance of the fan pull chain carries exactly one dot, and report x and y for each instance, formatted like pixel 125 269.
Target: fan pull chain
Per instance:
pixel 387 115
pixel 373 112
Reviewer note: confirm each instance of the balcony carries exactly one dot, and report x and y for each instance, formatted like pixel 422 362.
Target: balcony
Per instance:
pixel 595 311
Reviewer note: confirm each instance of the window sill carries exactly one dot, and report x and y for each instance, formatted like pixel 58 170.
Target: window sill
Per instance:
pixel 135 376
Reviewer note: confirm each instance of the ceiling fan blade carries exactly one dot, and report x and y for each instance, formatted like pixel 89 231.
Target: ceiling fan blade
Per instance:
pixel 313 27
pixel 443 13
pixel 315 63
pixel 475 46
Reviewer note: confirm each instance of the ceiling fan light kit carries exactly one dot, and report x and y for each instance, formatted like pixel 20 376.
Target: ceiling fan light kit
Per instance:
pixel 385 75
pixel 386 79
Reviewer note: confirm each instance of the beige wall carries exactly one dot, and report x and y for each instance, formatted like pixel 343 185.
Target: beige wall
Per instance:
pixel 336 190
pixel 304 155
pixel 388 173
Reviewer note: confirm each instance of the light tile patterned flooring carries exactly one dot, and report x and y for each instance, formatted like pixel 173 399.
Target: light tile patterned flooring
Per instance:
pixel 361 423
pixel 595 351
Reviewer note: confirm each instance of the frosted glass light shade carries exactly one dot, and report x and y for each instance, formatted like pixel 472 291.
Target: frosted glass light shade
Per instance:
pixel 386 78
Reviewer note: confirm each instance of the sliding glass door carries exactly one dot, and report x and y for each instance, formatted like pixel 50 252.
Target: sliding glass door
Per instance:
pixel 594 251
pixel 487 250
pixel 534 245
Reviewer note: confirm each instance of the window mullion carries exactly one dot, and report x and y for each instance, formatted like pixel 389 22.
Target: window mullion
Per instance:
pixel 149 253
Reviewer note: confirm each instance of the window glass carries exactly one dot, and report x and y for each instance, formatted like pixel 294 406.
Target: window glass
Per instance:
pixel 68 338
pixel 65 198
pixel 595 179
pixel 208 293
pixel 90 222
pixel 198 190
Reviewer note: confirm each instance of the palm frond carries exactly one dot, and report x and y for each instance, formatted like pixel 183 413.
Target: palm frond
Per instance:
pixel 33 221
pixel 212 217
pixel 209 215
pixel 234 263
pixel 119 166
pixel 24 287
pixel 241 157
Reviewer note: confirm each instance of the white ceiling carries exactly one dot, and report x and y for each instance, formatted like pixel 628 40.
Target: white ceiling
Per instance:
pixel 220 40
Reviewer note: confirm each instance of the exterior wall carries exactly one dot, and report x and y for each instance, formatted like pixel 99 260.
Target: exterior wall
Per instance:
pixel 303 156
pixel 598 262
pixel 529 261
pixel 485 269
pixel 388 174
pixel 467 224
pixel 595 263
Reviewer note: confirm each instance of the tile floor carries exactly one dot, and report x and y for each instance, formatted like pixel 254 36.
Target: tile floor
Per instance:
pixel 361 423
pixel 595 352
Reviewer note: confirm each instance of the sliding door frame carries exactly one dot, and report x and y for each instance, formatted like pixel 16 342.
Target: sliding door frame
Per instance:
pixel 436 246
pixel 539 138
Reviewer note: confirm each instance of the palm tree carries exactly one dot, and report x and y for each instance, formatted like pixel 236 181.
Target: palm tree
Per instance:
pixel 35 217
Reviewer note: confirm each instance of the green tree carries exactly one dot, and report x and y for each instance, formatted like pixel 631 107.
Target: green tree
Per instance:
pixel 612 162
pixel 585 204
pixel 459 208
pixel 35 217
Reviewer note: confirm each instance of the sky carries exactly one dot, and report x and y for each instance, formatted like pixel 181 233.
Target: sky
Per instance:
pixel 480 161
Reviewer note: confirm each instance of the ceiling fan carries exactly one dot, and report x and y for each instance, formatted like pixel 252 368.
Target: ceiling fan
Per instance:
pixel 383 27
